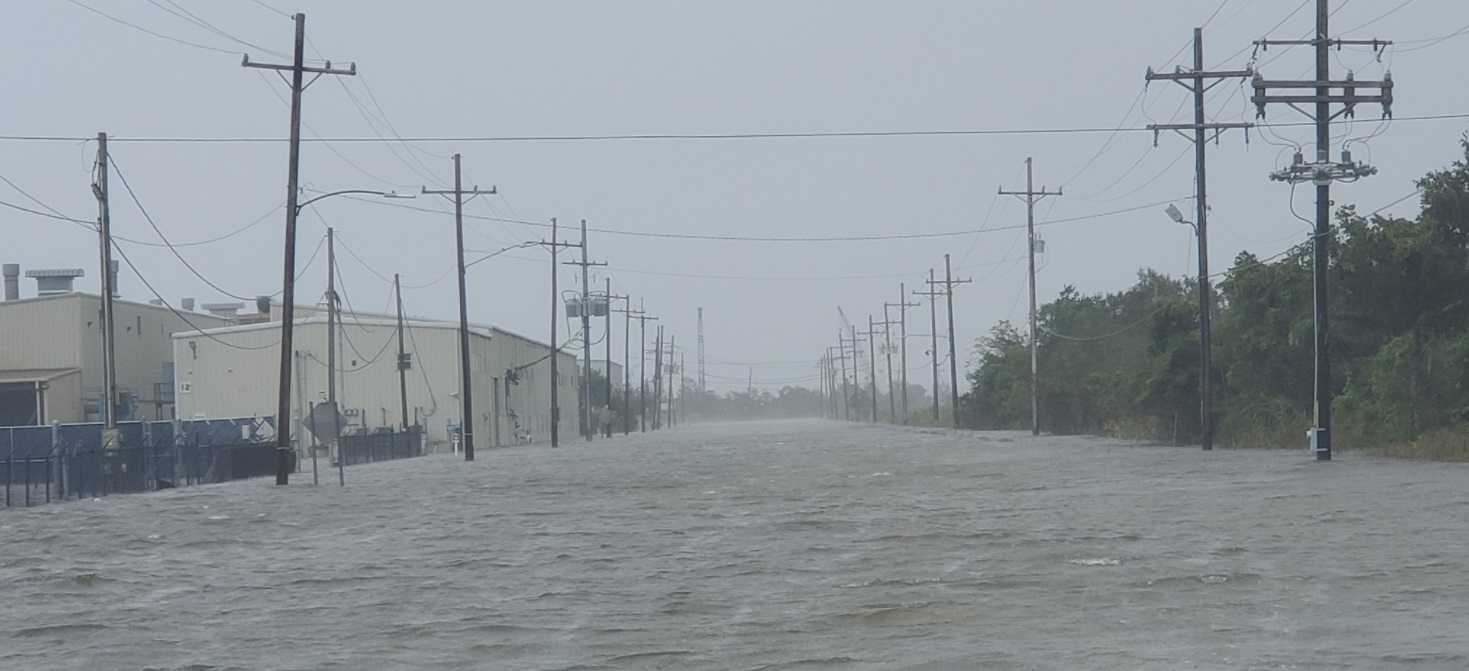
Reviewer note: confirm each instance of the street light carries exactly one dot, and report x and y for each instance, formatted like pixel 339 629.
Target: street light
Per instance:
pixel 288 317
pixel 1206 364
pixel 385 194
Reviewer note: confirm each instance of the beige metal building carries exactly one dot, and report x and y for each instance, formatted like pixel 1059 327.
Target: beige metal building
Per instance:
pixel 234 372
pixel 51 357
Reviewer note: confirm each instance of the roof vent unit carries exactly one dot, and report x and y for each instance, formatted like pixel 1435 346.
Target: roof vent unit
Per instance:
pixel 156 303
pixel 187 304
pixel 12 281
pixel 224 310
pixel 55 281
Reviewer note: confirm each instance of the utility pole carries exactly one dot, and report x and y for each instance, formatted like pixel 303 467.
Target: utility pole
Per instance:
pixel 933 325
pixel 1032 196
pixel 702 388
pixel 846 396
pixel 404 362
pixel 658 380
pixel 586 334
pixel 1194 81
pixel 466 421
pixel 628 316
pixel 672 388
pixel 871 361
pixel 331 354
pixel 949 283
pixel 611 298
pixel 288 293
pixel 887 325
pixel 555 246
pixel 903 306
pixel 1322 173
pixel 110 437
pixel 642 316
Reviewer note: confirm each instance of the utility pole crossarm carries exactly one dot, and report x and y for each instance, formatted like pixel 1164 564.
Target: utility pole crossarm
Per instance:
pixel 351 70
pixel 1317 105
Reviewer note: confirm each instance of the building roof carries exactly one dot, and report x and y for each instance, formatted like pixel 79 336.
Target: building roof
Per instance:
pixel 25 375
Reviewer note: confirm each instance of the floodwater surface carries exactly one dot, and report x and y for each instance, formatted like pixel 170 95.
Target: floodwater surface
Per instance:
pixel 779 545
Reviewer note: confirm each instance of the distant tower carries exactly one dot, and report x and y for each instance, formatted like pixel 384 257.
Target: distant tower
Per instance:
pixel 701 350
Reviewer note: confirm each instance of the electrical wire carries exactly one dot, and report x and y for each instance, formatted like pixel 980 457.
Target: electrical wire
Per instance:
pixel 799 239
pixel 688 136
pixel 180 315
pixel 184 14
pixel 135 26
pixel 1432 41
pixel 1105 336
pixel 163 237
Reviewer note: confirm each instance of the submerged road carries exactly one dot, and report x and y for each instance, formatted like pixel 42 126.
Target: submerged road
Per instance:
pixel 780 545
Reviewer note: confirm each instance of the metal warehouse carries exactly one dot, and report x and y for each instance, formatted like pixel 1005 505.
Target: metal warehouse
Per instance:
pixel 51 353
pixel 234 372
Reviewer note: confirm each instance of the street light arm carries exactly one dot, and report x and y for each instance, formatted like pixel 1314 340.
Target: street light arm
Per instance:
pixel 498 252
pixel 324 196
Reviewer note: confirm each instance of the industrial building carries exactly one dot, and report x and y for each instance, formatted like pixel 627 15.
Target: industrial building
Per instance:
pixel 51 364
pixel 234 372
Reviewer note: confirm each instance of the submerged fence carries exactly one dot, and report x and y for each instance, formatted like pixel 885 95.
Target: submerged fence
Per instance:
pixel 42 464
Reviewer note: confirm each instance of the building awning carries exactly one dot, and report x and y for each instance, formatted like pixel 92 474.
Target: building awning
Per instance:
pixel 33 375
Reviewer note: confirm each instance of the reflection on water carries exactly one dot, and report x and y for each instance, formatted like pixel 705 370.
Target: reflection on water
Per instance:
pixel 795 545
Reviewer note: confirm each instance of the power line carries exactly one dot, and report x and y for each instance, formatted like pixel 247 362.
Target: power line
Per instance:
pixel 691 136
pixel 190 17
pixel 176 313
pixel 792 239
pixel 163 237
pixel 135 26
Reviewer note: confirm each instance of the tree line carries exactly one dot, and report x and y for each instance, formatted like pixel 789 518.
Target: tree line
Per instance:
pixel 1126 364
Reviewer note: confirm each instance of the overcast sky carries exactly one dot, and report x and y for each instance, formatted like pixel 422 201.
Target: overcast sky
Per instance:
pixel 516 69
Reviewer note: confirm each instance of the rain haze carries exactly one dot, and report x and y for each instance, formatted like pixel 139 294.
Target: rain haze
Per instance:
pixel 757 180
pixel 441 75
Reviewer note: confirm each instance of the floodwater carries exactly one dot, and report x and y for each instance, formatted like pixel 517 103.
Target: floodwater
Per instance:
pixel 781 545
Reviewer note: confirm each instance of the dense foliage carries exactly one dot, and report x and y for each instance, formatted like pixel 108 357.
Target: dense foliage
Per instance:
pixel 1127 363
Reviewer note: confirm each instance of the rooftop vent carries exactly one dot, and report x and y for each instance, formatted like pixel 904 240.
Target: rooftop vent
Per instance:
pixel 54 281
pixel 12 281
pixel 187 304
pixel 223 310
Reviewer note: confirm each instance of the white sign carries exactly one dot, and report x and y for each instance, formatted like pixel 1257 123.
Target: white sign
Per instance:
pixel 186 386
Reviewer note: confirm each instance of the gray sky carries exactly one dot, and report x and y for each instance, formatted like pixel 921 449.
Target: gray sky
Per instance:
pixel 503 69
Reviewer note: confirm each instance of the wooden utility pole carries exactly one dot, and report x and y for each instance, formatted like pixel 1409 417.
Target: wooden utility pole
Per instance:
pixel 887 325
pixel 658 380
pixel 585 313
pixel 466 420
pixel 1322 173
pixel 1194 81
pixel 949 283
pixel 108 405
pixel 331 354
pixel 288 292
pixel 903 306
pixel 933 325
pixel 872 363
pixel 628 315
pixel 672 369
pixel 1032 196
pixel 642 316
pixel 404 362
pixel 555 246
